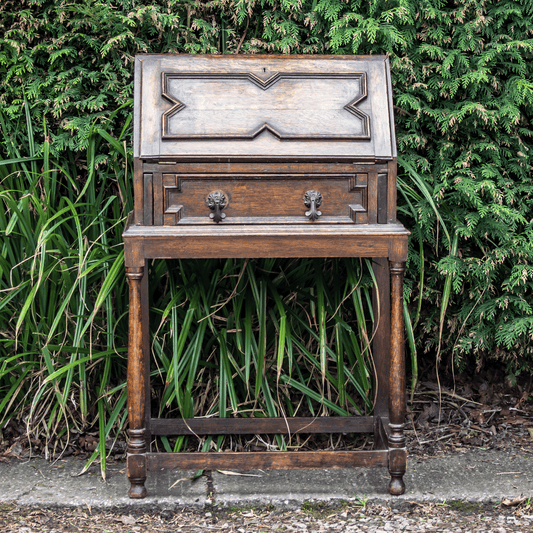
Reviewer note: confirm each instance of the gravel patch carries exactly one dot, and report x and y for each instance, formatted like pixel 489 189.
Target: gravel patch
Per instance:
pixel 311 517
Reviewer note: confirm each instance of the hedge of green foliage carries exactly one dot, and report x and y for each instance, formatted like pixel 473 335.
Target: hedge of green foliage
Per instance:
pixel 463 92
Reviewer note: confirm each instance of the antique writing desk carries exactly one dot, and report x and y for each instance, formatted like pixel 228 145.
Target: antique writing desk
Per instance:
pixel 266 156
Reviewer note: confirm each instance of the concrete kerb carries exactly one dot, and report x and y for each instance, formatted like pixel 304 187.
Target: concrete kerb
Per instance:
pixel 479 476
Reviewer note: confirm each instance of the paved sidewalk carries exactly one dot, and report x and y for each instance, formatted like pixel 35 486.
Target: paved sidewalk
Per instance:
pixel 481 476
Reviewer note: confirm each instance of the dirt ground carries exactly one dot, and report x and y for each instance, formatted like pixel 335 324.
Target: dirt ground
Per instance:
pixel 348 517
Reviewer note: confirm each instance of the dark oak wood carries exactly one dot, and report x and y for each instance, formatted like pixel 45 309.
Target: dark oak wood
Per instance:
pixel 145 310
pixel 266 156
pixel 148 199
pixel 381 437
pixel 260 166
pixel 262 199
pixel 381 335
pixel 251 426
pixel 267 460
pixel 243 241
pixel 265 194
pixel 382 197
pixel 391 193
pixel 136 388
pixel 307 96
pixel 138 185
pixel 398 452
pixel 285 106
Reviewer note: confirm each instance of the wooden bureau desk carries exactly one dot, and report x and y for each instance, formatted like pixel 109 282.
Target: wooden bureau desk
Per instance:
pixel 266 156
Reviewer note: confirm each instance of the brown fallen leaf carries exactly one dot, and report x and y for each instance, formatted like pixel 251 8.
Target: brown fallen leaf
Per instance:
pixel 15 450
pixel 477 428
pixel 530 432
pixel 511 503
pixel 180 480
pixel 516 421
pixel 478 415
pixel 128 520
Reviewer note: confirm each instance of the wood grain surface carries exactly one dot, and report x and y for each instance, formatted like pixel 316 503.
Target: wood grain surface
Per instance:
pixel 266 460
pixel 263 106
pixel 253 426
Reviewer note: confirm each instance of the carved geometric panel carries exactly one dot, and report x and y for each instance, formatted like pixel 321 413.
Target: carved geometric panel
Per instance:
pixel 291 106
pixel 172 208
pixel 359 204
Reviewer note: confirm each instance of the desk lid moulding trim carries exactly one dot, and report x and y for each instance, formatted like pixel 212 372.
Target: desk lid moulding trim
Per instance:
pixel 264 85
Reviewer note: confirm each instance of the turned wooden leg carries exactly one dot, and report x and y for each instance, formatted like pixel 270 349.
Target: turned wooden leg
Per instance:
pixel 136 462
pixel 397 449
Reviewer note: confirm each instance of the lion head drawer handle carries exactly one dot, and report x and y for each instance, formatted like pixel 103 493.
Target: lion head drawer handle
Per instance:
pixel 312 200
pixel 216 201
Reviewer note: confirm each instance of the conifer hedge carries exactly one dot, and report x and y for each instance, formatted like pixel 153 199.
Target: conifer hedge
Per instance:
pixel 463 92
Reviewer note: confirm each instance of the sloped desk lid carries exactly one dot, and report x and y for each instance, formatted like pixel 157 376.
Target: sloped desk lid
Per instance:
pixel 263 106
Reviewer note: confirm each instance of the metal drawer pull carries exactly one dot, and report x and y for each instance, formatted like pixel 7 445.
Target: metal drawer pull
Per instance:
pixel 312 200
pixel 216 201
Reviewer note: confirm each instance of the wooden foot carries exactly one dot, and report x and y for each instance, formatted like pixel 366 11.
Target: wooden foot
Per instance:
pixel 137 489
pixel 397 459
pixel 396 485
pixel 136 463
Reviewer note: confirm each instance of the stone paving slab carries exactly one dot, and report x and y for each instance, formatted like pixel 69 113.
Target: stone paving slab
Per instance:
pixel 481 476
pixel 292 487
pixel 40 483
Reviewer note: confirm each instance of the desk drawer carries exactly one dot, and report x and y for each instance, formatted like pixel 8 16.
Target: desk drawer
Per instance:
pixel 255 198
